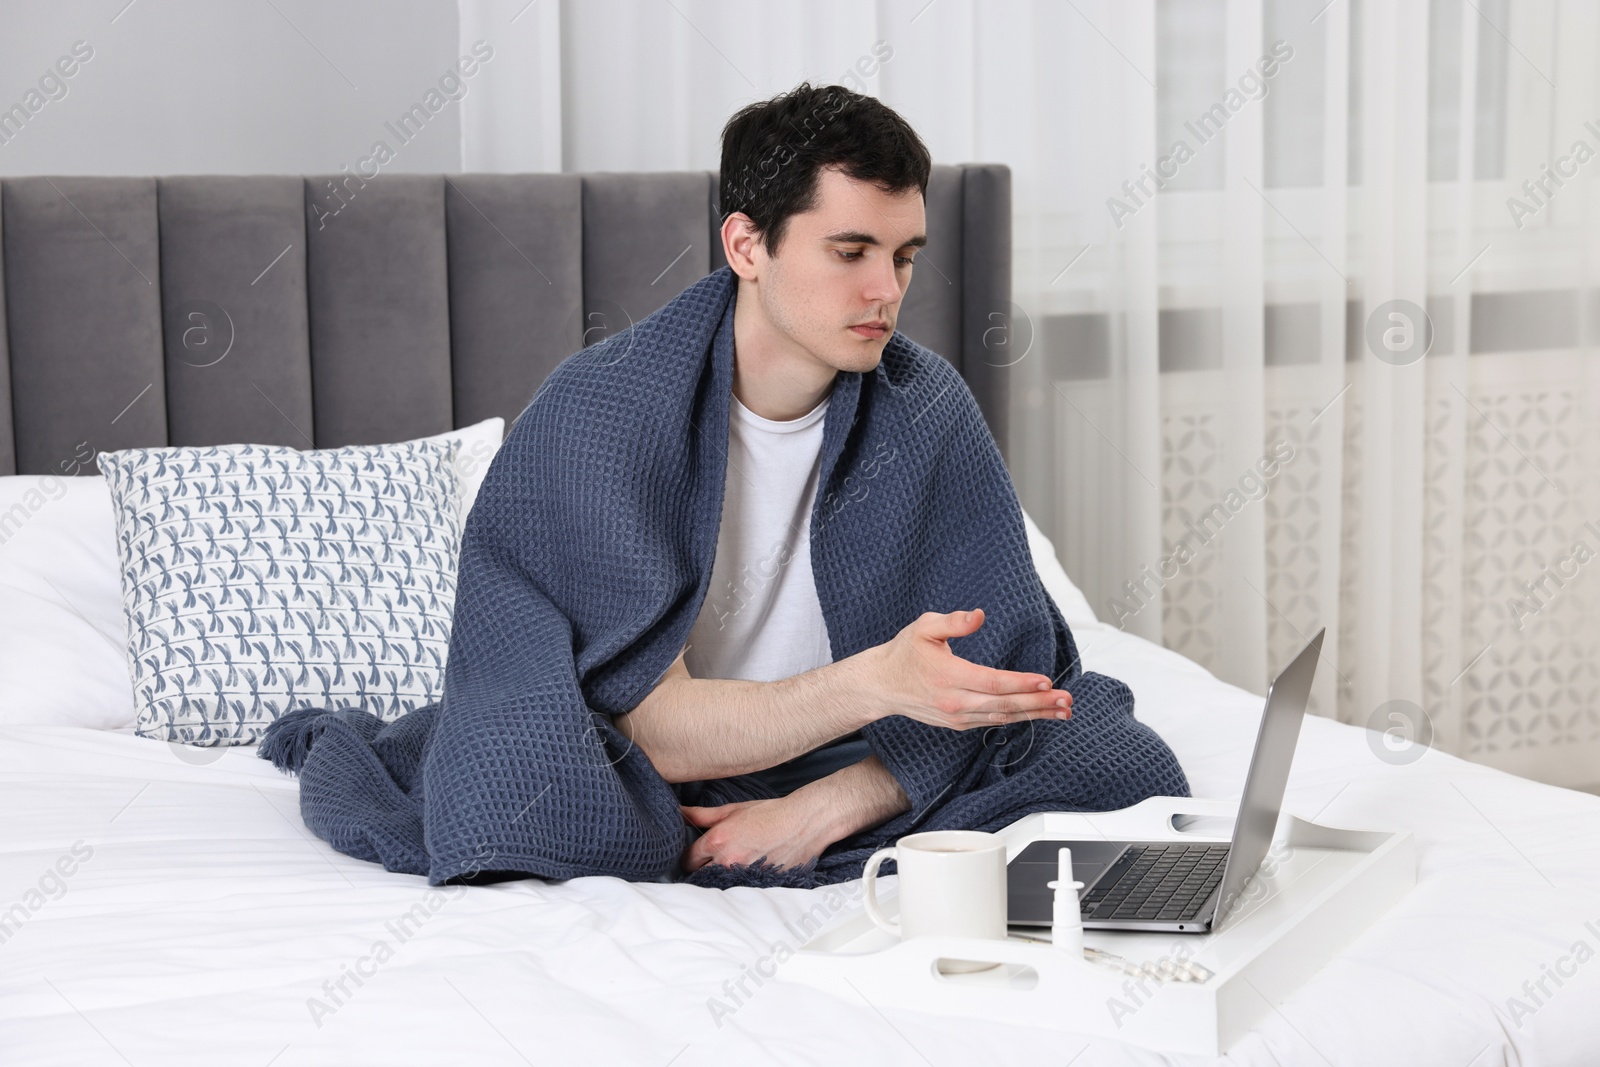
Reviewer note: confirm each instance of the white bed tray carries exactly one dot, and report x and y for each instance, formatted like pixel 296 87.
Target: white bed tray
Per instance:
pixel 1319 889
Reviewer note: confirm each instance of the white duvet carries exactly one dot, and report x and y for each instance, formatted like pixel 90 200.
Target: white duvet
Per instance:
pixel 168 912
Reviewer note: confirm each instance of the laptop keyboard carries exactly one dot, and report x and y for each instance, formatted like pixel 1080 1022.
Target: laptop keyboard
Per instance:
pixel 1160 882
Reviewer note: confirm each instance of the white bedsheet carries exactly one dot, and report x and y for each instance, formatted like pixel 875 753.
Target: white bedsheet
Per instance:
pixel 207 919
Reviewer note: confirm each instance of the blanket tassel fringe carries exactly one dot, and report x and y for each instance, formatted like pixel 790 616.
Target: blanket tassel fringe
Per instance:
pixel 288 741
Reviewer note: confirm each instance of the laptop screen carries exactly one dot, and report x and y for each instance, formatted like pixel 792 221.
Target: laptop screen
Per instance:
pixel 1268 776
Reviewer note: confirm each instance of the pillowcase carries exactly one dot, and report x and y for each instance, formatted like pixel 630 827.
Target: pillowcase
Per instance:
pixel 63 641
pixel 1073 604
pixel 63 633
pixel 260 579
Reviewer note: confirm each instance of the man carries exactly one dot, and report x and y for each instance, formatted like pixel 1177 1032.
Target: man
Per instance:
pixel 746 592
pixel 824 258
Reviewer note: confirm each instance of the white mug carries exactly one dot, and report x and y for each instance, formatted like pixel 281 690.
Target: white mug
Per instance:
pixel 952 884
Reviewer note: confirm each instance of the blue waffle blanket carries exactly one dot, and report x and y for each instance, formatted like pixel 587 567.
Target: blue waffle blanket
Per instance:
pixel 584 563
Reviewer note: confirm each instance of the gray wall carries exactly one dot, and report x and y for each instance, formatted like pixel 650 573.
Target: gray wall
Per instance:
pixel 227 86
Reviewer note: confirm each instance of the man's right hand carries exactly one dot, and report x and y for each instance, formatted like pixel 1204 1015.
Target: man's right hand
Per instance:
pixel 916 675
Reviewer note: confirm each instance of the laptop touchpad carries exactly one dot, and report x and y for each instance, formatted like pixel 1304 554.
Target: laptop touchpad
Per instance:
pixel 1089 858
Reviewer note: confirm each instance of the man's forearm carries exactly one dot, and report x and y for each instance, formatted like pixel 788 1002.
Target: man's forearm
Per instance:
pixel 694 729
pixel 853 798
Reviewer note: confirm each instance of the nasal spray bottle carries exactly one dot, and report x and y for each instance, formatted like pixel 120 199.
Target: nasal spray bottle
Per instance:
pixel 1065 918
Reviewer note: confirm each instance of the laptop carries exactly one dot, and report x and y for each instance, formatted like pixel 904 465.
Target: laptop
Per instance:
pixel 1182 887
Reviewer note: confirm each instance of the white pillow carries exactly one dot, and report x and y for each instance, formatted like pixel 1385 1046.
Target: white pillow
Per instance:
pixel 63 634
pixel 1073 604
pixel 63 638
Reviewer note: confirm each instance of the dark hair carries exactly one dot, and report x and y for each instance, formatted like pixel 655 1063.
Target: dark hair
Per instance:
pixel 773 149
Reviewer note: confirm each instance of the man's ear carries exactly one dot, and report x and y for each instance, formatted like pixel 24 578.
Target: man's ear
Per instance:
pixel 740 241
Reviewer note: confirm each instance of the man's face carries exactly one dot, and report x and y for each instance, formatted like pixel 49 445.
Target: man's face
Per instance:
pixel 842 268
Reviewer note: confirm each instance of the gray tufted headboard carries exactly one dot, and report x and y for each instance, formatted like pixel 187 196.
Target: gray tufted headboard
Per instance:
pixel 326 311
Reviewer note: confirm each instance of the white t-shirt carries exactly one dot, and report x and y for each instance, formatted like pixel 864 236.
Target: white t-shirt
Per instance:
pixel 761 620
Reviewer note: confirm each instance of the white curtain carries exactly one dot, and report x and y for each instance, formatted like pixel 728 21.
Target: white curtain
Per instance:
pixel 1338 370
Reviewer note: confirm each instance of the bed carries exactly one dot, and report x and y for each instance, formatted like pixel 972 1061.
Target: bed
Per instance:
pixel 162 904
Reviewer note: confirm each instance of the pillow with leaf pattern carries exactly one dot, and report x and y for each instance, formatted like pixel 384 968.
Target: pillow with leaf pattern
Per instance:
pixel 259 579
